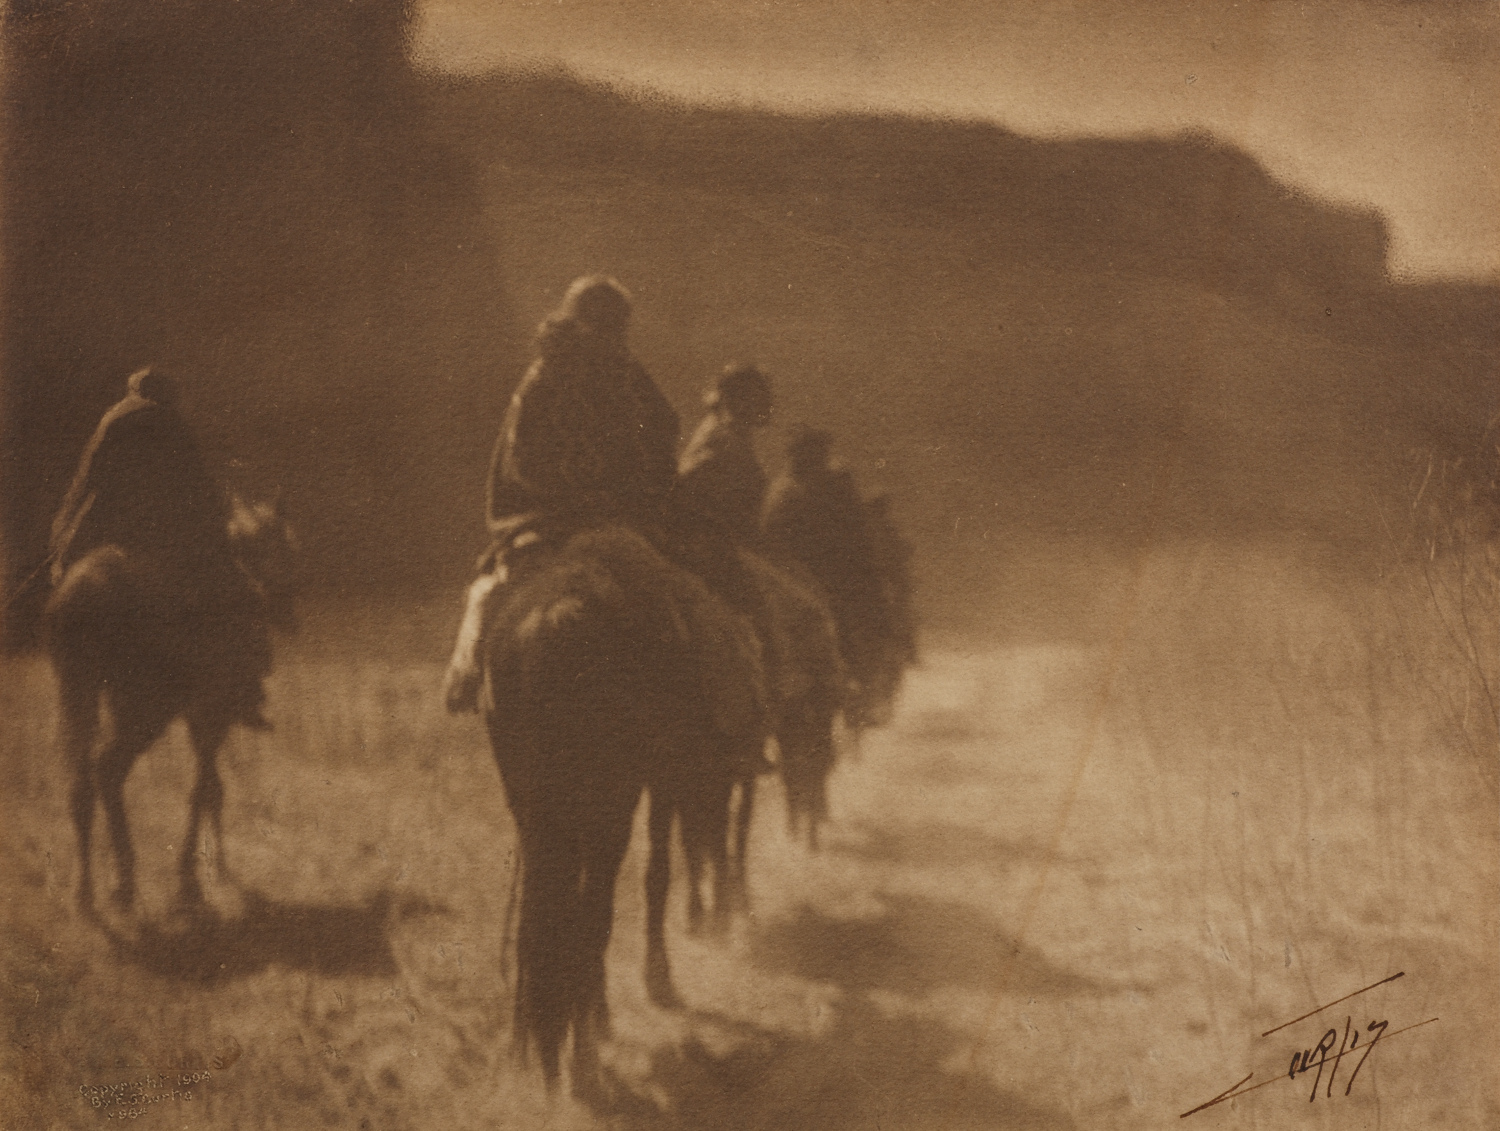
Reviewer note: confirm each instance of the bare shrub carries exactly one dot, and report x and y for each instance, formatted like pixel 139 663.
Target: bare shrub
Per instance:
pixel 1442 582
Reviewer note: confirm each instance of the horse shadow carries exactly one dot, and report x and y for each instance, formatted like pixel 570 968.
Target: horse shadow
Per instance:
pixel 938 846
pixel 867 1069
pixel 869 1065
pixel 914 946
pixel 207 947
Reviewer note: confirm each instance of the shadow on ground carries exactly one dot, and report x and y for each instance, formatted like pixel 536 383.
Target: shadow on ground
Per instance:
pixel 323 940
pixel 915 946
pixel 935 846
pixel 867 1070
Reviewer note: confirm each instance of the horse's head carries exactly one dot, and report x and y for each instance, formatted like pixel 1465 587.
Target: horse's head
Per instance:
pixel 265 546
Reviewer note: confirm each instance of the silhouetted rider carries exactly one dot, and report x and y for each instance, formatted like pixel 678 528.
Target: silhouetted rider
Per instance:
pixel 891 558
pixel 142 485
pixel 719 475
pixel 588 438
pixel 814 515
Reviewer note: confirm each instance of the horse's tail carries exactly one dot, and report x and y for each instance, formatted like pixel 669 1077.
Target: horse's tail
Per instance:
pixel 552 742
pixel 588 678
pixel 548 971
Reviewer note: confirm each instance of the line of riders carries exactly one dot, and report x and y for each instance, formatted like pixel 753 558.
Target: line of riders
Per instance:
pixel 589 440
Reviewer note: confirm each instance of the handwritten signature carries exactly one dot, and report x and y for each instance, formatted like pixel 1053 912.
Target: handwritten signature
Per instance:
pixel 1317 1057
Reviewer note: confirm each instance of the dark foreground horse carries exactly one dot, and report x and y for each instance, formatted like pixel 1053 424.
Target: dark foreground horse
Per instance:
pixel 120 642
pixel 608 672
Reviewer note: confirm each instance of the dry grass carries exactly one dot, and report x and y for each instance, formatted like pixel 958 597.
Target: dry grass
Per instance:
pixel 1069 887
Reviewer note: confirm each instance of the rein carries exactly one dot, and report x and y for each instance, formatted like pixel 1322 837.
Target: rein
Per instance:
pixel 15 594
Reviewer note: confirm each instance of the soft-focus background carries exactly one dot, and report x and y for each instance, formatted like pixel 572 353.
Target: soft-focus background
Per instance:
pixel 1172 332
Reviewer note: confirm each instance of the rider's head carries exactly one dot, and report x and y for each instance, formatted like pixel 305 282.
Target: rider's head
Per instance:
pixel 744 393
pixel 600 304
pixel 593 315
pixel 153 386
pixel 809 449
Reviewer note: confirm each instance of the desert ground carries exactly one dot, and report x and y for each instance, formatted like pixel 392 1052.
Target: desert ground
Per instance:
pixel 1088 864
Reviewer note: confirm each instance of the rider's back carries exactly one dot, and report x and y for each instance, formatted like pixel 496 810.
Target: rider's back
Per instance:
pixel 142 485
pixel 588 436
pixel 720 477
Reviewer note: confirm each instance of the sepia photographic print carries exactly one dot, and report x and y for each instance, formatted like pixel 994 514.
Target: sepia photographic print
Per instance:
pixel 770 564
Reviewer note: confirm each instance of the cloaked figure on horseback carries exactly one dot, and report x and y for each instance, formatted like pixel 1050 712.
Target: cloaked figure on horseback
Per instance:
pixel 589 442
pixel 143 489
pixel 603 645
pixel 719 475
pixel 814 515
pixel 721 478
pixel 164 597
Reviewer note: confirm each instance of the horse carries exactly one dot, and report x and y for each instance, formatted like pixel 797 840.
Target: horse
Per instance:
pixel 117 638
pixel 808 687
pixel 814 689
pixel 891 645
pixel 608 672
pixel 714 800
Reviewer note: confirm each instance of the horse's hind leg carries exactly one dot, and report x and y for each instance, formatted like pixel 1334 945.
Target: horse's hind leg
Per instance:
pixel 658 877
pixel 713 839
pixel 80 719
pixel 737 893
pixel 591 1023
pixel 207 734
pixel 695 851
pixel 133 734
pixel 822 742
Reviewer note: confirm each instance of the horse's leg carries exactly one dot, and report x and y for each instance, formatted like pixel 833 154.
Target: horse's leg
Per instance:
pixel 738 893
pixel 207 731
pixel 591 1023
pixel 658 877
pixel 718 796
pixel 695 850
pixel 790 741
pixel 134 732
pixel 80 718
pixel 544 946
pixel 821 743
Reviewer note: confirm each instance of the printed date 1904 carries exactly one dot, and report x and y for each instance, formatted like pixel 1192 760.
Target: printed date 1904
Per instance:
pixel 131 1099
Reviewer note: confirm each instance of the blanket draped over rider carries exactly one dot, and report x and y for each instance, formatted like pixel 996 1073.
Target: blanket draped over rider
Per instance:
pixel 142 485
pixel 144 490
pixel 588 437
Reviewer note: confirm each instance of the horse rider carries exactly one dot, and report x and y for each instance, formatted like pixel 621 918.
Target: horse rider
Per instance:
pixel 142 485
pixel 814 515
pixel 719 474
pixel 588 440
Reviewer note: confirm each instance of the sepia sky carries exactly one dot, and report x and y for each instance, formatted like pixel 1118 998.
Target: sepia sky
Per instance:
pixel 1389 103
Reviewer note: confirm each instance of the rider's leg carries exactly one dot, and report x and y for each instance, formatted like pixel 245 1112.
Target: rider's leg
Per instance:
pixel 461 682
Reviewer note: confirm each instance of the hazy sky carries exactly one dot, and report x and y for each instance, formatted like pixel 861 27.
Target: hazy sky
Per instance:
pixel 1387 103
